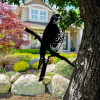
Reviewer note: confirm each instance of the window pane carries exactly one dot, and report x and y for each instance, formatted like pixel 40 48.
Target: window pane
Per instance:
pixel 34 14
pixel 42 18
pixel 43 15
pixel 34 17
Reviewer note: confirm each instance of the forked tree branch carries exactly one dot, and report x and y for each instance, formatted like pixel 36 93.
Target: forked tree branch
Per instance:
pixel 50 50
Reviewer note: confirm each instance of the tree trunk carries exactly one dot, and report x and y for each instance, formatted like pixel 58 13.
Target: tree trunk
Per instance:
pixel 85 80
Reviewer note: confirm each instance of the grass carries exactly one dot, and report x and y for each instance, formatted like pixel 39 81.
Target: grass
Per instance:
pixel 50 74
pixel 68 56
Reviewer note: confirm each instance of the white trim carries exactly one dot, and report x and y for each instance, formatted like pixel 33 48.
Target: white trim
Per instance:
pixel 68 41
pixel 29 13
pixel 28 1
pixel 39 5
pixel 49 8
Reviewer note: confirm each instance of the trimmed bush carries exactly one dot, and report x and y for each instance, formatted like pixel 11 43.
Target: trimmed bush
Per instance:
pixel 63 69
pixel 21 66
pixel 35 65
pixel 33 51
pixel 27 57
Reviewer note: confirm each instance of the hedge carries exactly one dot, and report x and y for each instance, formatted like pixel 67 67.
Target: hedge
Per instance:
pixel 33 51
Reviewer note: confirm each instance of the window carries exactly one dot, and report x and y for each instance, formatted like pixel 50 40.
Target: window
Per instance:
pixel 42 16
pixel 34 14
pixel 38 15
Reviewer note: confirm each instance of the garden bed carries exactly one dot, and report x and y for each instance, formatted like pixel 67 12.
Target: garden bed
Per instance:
pixel 7 63
pixel 56 70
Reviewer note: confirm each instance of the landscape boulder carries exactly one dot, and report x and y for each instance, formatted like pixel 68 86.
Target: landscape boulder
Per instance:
pixel 5 83
pixel 28 84
pixel 50 68
pixel 58 86
pixel 47 80
pixel 15 77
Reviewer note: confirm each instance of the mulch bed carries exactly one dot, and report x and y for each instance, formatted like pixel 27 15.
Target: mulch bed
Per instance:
pixel 44 96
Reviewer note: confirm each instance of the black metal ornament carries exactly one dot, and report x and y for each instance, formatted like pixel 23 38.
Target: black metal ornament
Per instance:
pixel 52 37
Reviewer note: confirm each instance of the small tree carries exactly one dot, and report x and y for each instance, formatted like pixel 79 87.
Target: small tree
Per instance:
pixel 11 29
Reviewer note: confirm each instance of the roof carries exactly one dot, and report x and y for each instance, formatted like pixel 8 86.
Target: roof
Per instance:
pixel 29 2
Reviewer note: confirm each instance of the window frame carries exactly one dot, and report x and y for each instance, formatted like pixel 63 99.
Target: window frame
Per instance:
pixel 43 16
pixel 34 14
pixel 39 10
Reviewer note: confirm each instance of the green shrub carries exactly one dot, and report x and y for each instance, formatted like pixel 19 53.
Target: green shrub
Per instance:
pixel 63 69
pixel 50 74
pixel 2 70
pixel 26 59
pixel 35 65
pixel 24 56
pixel 33 51
pixel 10 73
pixel 21 66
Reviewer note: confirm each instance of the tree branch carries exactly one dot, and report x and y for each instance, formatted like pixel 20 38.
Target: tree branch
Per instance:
pixel 50 50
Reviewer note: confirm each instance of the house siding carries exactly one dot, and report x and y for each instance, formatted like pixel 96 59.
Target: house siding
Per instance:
pixel 24 15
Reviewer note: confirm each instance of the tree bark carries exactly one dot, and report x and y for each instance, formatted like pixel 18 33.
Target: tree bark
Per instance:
pixel 85 80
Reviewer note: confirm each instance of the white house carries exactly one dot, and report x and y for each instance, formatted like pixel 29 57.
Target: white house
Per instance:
pixel 37 14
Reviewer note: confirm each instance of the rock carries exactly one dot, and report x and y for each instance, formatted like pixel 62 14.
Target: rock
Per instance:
pixel 58 86
pixel 47 80
pixel 15 77
pixel 50 68
pixel 5 83
pixel 28 85
pixel 33 61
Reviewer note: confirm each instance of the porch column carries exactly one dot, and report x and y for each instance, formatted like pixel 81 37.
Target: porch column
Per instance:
pixel 69 40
